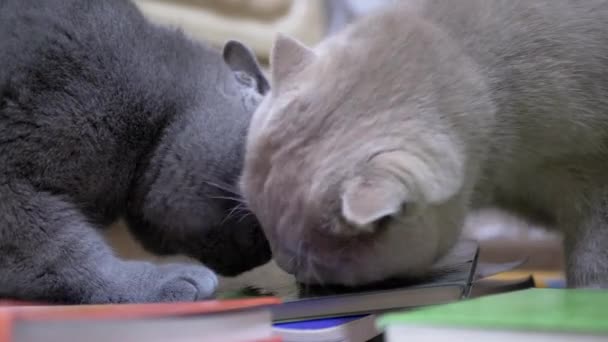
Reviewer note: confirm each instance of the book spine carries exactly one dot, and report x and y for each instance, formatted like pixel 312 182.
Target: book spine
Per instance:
pixel 6 326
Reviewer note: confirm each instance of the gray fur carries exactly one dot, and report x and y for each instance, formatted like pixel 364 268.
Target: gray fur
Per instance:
pixel 388 132
pixel 104 115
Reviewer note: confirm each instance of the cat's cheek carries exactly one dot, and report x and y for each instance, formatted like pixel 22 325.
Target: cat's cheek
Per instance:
pixel 407 250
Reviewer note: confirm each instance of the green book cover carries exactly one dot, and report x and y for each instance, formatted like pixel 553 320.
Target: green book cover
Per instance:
pixel 556 310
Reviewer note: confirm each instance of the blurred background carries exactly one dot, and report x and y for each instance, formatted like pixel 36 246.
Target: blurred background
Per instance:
pixel 256 22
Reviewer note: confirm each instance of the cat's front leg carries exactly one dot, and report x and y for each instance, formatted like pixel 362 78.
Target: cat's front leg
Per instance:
pixel 49 252
pixel 586 246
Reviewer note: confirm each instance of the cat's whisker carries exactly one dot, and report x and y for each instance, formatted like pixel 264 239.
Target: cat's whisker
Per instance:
pixel 247 214
pixel 315 274
pixel 229 198
pixel 225 187
pixel 297 267
pixel 306 264
pixel 299 254
pixel 300 265
pixel 242 209
pixel 292 260
pixel 232 212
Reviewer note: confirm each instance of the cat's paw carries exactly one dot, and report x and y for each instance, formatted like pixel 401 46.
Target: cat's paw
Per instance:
pixel 143 282
pixel 181 282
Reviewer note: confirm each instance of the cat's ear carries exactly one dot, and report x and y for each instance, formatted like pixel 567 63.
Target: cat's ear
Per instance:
pixel 287 58
pixel 370 198
pixel 395 181
pixel 241 59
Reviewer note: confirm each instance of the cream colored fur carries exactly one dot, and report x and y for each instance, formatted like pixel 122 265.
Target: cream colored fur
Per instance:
pixel 371 148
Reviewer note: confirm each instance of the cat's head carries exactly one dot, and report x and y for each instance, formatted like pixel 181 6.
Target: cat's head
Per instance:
pixel 349 167
pixel 186 200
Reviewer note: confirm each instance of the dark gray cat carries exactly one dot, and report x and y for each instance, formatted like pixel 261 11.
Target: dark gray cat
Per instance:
pixel 104 115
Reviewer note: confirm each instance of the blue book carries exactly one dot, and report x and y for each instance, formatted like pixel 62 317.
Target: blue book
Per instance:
pixel 357 328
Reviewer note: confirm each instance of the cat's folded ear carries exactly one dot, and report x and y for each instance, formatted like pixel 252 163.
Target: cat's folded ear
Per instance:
pixel 241 59
pixel 397 183
pixel 370 198
pixel 287 58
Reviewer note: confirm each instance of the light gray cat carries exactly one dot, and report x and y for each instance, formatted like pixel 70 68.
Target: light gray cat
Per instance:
pixel 364 159
pixel 104 115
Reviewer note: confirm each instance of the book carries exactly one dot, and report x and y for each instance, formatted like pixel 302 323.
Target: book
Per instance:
pixel 540 314
pixel 493 285
pixel 358 328
pixel 214 320
pixel 450 280
pixel 362 328
pixel 542 278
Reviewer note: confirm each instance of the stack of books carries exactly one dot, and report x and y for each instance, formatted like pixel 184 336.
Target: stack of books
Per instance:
pixel 403 309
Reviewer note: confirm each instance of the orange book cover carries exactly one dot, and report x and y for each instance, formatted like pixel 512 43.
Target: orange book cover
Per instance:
pixel 5 326
pixel 31 311
pixel 12 311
